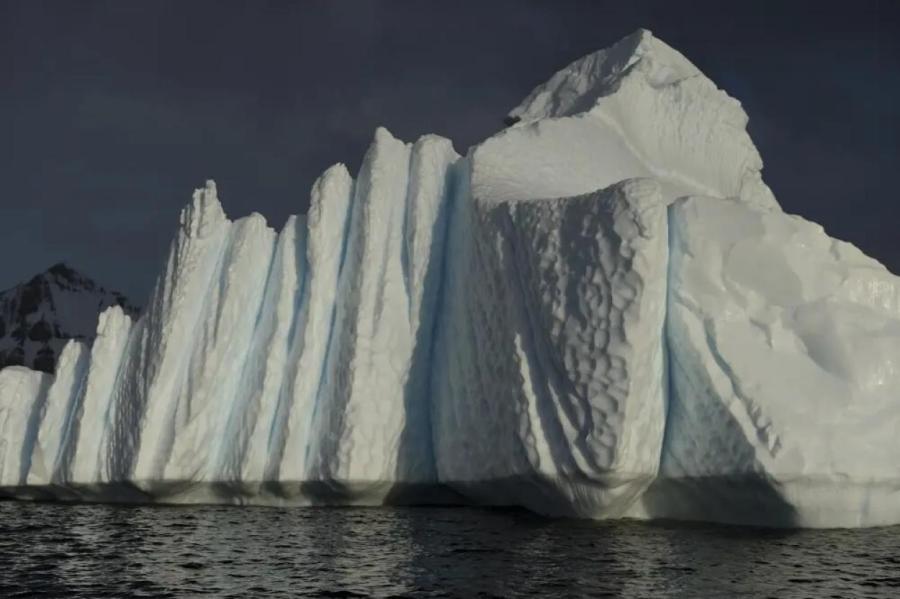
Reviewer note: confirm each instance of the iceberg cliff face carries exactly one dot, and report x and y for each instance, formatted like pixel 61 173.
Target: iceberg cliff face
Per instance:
pixel 600 311
pixel 550 353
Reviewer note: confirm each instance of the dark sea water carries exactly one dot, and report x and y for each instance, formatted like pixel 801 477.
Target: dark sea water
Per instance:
pixel 56 550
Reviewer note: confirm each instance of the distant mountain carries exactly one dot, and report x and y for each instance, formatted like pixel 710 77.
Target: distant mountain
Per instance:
pixel 38 317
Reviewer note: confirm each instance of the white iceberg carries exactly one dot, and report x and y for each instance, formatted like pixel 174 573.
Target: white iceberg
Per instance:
pixel 600 312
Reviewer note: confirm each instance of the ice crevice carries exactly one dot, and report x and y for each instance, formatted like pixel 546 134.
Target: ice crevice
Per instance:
pixel 600 311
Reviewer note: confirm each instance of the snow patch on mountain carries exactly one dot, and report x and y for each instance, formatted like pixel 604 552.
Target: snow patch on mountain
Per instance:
pixel 39 316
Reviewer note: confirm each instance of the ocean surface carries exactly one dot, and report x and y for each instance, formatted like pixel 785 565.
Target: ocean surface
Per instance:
pixel 57 550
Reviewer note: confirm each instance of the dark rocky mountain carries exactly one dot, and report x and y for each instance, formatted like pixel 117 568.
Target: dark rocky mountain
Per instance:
pixel 38 316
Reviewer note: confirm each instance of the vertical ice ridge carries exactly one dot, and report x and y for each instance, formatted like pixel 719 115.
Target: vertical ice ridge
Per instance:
pixel 265 366
pixel 261 366
pixel 21 390
pixel 66 434
pixel 325 241
pixel 373 391
pixel 363 396
pixel 432 183
pixel 112 454
pixel 187 377
pixel 123 435
pixel 224 339
pixel 279 427
pixel 335 362
pixel 282 358
pixel 30 445
pixel 80 447
pixel 171 319
pixel 90 425
pixel 71 370
pixel 288 315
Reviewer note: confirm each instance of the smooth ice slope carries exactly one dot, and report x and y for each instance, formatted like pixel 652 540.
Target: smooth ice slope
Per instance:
pixel 601 311
pixel 785 352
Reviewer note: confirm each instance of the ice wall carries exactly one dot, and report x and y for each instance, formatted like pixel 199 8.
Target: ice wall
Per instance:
pixel 22 393
pixel 601 311
pixel 550 356
pixel 290 367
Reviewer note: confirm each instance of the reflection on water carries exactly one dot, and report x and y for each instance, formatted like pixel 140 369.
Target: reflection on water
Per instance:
pixel 223 551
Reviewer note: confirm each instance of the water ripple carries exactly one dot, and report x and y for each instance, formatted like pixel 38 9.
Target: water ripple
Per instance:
pixel 57 550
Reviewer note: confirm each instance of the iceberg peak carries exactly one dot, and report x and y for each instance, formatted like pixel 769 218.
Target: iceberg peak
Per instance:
pixel 577 87
pixel 636 109
pixel 204 212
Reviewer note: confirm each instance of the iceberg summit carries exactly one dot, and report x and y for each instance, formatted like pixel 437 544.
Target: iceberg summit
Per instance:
pixel 599 312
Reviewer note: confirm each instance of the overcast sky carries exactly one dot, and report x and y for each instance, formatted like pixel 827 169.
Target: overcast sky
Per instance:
pixel 111 113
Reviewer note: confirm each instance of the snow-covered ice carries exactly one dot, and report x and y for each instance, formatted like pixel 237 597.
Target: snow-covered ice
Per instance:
pixel 22 392
pixel 785 355
pixel 601 311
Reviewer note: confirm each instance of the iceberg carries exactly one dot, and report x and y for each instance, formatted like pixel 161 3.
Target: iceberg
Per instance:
pixel 785 370
pixel 599 312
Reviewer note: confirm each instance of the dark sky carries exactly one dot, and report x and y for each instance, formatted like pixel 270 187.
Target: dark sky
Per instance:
pixel 111 113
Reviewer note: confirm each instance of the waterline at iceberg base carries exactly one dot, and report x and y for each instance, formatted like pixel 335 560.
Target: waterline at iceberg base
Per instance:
pixel 599 312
